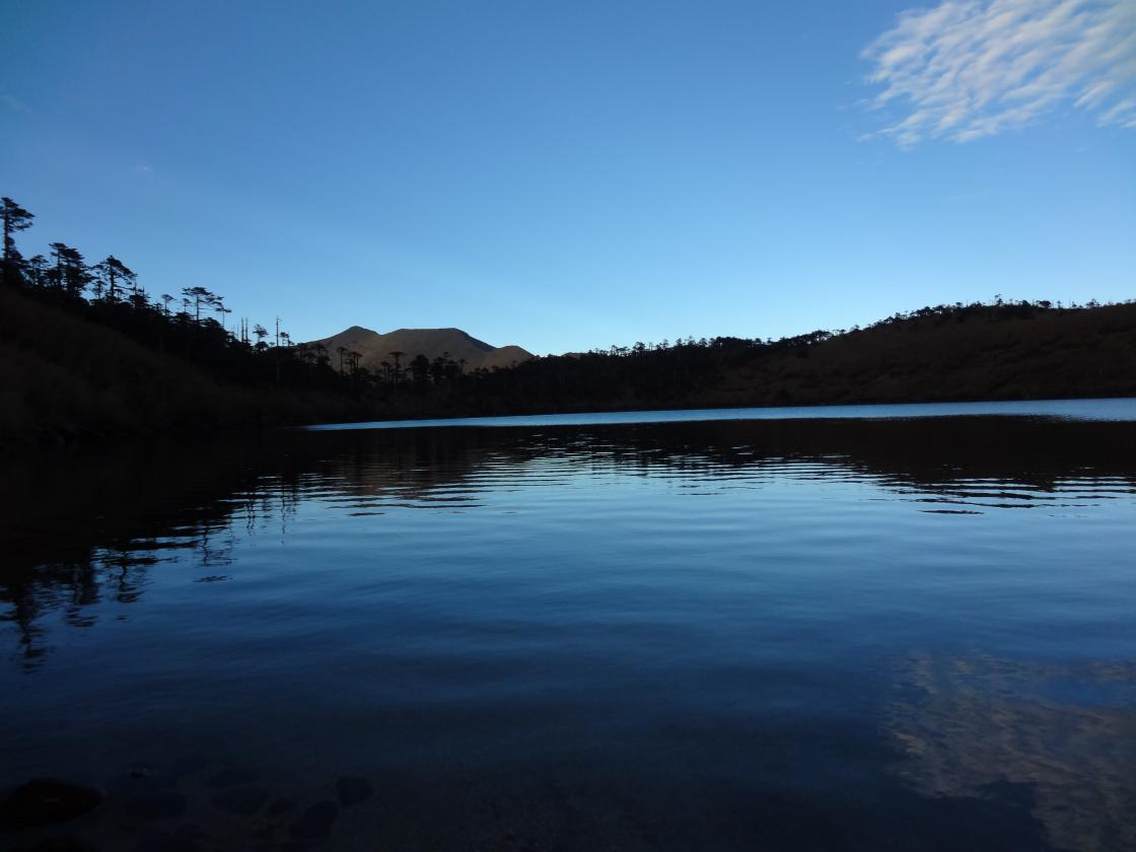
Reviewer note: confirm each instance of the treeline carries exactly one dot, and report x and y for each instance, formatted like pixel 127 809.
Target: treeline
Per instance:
pixel 996 350
pixel 192 324
pixel 86 351
pixel 246 372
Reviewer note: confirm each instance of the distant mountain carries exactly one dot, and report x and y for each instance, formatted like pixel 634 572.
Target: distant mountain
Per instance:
pixel 431 342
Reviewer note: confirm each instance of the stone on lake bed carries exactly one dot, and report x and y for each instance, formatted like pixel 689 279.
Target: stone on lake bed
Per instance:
pixel 240 801
pixel 155 805
pixel 43 801
pixel 352 791
pixel 231 778
pixel 281 806
pixel 65 843
pixel 315 822
pixel 138 780
pixel 185 839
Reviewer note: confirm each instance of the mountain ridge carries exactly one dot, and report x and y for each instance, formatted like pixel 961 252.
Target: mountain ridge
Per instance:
pixel 454 343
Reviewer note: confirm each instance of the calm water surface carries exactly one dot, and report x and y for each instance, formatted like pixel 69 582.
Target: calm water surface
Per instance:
pixel 1122 409
pixel 679 633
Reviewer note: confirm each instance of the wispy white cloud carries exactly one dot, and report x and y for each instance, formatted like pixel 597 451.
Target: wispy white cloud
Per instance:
pixel 966 69
pixel 13 103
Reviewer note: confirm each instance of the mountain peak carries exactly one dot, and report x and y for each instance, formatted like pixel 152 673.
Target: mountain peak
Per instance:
pixel 453 343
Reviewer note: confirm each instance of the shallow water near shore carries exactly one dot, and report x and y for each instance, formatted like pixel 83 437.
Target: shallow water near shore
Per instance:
pixel 664 631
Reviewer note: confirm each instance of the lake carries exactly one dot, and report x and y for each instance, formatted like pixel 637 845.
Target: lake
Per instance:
pixel 908 627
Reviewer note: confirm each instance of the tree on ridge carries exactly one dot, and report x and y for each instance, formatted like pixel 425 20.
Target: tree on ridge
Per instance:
pixel 198 296
pixel 110 272
pixel 71 272
pixel 16 219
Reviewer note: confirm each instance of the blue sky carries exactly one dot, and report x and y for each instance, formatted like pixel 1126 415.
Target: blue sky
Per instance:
pixel 570 175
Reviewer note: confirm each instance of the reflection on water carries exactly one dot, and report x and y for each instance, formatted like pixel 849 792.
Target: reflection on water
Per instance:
pixel 1061 736
pixel 648 636
pixel 1116 409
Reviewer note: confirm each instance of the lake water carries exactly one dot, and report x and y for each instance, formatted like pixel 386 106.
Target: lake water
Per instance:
pixel 653 631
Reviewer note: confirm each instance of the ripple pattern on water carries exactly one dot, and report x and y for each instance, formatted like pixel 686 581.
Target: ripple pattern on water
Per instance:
pixel 838 627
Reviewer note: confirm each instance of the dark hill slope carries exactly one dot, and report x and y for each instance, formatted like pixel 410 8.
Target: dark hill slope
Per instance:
pixel 67 369
pixel 988 354
pixel 952 353
pixel 65 376
pixel 505 356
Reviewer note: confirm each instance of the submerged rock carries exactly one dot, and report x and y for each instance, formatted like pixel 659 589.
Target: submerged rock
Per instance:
pixel 315 822
pixel 231 778
pixel 138 780
pixel 66 843
pixel 352 791
pixel 186 839
pixel 240 801
pixel 155 805
pixel 281 806
pixel 43 801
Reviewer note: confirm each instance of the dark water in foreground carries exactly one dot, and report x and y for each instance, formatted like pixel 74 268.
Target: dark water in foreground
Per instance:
pixel 780 634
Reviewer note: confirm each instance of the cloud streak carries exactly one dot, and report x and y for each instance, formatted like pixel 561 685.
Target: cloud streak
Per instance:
pixel 966 69
pixel 13 103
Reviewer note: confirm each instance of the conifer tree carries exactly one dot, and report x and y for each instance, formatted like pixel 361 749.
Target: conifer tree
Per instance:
pixel 15 219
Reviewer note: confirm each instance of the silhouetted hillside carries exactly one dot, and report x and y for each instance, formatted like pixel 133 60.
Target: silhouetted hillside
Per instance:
pixel 1008 351
pixel 381 353
pixel 951 352
pixel 66 375
pixel 505 356
pixel 120 361
pixel 101 375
